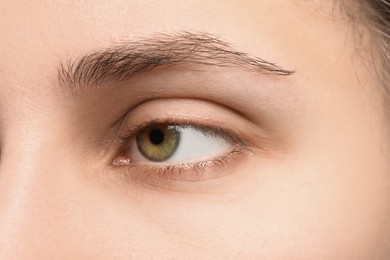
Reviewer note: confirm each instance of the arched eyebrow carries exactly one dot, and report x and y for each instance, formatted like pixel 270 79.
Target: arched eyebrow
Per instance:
pixel 127 59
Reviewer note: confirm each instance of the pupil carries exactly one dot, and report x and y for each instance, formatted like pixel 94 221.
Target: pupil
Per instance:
pixel 156 136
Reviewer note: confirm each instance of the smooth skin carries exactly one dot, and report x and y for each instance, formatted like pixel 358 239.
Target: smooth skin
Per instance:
pixel 316 184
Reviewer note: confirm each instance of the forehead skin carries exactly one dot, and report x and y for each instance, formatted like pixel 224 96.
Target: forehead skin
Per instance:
pixel 54 32
pixel 329 196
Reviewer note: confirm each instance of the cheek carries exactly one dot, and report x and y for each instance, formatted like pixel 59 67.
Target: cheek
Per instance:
pixel 292 203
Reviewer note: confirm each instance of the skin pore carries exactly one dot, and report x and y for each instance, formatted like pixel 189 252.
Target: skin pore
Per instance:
pixel 281 83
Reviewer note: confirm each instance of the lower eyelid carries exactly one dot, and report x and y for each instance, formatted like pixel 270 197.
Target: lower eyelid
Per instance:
pixel 157 175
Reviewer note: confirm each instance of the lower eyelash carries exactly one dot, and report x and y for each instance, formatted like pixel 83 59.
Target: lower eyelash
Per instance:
pixel 154 174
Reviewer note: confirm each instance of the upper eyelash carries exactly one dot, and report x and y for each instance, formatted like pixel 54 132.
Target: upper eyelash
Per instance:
pixel 229 136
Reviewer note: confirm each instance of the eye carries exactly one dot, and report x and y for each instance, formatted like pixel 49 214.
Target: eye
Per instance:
pixel 176 143
pixel 178 150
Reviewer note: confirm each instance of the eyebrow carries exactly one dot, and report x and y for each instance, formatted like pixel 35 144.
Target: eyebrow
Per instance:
pixel 125 60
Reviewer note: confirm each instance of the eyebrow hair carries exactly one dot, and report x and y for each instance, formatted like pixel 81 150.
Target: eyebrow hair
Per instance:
pixel 127 59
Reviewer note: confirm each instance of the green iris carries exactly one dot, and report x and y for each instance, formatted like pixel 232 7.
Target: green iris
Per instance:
pixel 158 143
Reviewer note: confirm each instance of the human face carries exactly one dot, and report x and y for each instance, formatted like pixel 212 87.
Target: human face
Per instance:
pixel 291 159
